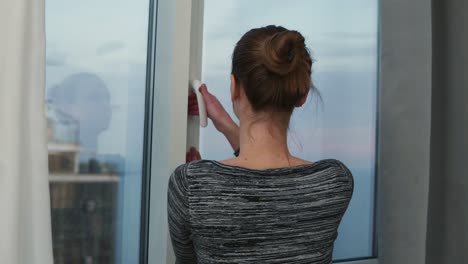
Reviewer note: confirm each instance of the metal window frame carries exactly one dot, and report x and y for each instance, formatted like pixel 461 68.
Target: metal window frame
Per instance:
pixel 148 131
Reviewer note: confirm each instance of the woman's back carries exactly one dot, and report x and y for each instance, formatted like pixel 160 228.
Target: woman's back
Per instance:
pixel 226 214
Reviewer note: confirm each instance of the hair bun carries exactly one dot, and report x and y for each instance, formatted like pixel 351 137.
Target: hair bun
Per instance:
pixel 282 51
pixel 273 66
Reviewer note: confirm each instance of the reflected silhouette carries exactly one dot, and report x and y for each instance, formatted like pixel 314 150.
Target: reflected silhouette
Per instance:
pixel 85 98
pixel 84 188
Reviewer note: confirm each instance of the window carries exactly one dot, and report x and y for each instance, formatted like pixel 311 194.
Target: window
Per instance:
pixel 96 72
pixel 96 95
pixel 342 37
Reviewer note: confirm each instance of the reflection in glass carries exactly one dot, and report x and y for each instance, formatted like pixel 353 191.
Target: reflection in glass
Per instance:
pixel 85 211
pixel 95 120
pixel 342 37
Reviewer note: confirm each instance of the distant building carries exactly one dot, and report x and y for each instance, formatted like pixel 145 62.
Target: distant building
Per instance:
pixel 83 196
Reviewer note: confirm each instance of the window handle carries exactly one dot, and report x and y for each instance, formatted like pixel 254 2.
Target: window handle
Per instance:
pixel 196 84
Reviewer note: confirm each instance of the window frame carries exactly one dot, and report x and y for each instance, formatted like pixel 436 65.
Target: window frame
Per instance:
pixel 122 248
pixel 176 27
pixel 168 129
pixel 148 132
pixel 403 127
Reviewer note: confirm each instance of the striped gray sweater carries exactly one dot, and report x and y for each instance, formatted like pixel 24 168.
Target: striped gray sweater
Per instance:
pixel 226 214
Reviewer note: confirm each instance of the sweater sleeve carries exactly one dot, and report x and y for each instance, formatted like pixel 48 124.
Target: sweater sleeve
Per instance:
pixel 179 217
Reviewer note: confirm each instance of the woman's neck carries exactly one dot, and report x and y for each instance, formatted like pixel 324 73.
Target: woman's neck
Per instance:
pixel 264 143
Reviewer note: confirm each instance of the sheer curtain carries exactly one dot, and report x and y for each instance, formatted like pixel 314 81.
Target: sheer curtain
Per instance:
pixel 25 231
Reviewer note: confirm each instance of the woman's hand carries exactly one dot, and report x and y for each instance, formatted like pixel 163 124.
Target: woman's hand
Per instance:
pixel 218 115
pixel 192 155
pixel 216 112
pixel 192 104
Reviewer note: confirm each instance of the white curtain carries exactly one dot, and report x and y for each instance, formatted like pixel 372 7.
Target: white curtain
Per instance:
pixel 25 230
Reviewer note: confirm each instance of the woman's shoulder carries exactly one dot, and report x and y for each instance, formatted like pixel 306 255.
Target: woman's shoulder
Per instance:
pixel 185 173
pixel 189 167
pixel 337 163
pixel 323 164
pixel 342 171
pixel 202 167
pixel 194 165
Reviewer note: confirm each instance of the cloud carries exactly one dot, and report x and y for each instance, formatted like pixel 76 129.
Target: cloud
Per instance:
pixel 349 35
pixel 54 62
pixel 353 144
pixel 55 58
pixel 110 47
pixel 338 39
pixel 344 43
pixel 334 50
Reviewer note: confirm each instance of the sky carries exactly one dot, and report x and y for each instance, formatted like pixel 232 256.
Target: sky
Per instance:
pixel 108 38
pixel 342 38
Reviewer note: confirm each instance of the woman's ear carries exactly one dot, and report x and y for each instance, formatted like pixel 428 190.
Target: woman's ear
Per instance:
pixel 303 99
pixel 234 89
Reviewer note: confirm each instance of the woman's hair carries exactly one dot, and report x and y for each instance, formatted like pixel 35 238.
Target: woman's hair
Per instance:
pixel 274 67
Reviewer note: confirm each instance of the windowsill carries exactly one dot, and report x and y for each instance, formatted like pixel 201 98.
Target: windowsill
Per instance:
pixel 361 261
pixel 83 178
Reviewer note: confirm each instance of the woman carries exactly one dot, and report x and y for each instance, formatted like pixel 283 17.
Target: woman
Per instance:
pixel 265 205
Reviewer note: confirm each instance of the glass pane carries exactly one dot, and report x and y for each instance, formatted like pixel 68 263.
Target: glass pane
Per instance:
pixel 96 65
pixel 342 36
